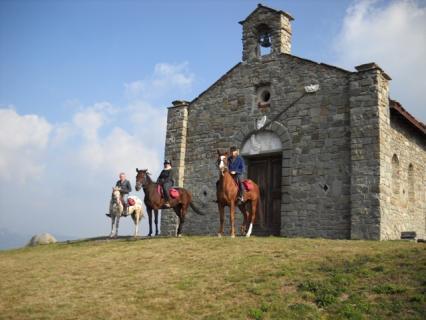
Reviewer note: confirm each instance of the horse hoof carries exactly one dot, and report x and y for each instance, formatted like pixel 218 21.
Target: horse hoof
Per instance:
pixel 179 236
pixel 233 236
pixel 149 235
pixel 247 236
pixel 219 235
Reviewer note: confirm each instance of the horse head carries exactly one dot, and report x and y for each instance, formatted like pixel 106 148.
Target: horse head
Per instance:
pixel 142 178
pixel 115 196
pixel 222 161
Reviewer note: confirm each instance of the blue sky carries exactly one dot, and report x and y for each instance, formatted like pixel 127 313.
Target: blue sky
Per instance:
pixel 84 86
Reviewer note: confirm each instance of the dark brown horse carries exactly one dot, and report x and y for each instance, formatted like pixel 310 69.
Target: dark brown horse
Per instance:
pixel 227 193
pixel 154 201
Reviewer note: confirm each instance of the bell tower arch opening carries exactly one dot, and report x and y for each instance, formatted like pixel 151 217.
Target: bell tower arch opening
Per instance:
pixel 264 40
pixel 266 31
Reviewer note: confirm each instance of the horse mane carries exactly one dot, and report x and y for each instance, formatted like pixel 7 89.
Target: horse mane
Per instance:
pixel 148 177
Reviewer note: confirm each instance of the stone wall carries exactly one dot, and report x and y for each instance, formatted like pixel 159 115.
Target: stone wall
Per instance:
pixel 403 156
pixel 177 124
pixel 368 91
pixel 316 133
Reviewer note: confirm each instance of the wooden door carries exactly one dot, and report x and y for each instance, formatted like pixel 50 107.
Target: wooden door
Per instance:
pixel 266 172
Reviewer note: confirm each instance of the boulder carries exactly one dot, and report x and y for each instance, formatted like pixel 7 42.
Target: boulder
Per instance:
pixel 43 238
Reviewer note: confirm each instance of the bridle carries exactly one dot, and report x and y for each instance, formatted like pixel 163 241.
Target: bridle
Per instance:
pixel 143 181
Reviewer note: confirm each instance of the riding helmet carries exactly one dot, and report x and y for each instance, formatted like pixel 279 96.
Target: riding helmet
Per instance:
pixel 167 162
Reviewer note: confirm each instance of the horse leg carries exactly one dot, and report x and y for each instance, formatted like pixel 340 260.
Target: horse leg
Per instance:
pixel 181 222
pixel 156 222
pixel 232 218
pixel 112 225
pixel 135 218
pixel 117 223
pixel 149 220
pixel 252 217
pixel 222 220
pixel 178 211
pixel 243 210
pixel 183 211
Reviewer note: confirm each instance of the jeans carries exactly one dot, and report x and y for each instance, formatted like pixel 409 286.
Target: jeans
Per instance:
pixel 124 197
pixel 166 187
pixel 239 178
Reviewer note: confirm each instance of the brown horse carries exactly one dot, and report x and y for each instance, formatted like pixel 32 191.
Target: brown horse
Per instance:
pixel 154 201
pixel 227 192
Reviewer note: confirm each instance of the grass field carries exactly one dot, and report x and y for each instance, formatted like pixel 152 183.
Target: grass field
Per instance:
pixel 211 278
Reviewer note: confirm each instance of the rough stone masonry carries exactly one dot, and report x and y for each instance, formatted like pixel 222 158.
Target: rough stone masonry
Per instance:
pixel 352 160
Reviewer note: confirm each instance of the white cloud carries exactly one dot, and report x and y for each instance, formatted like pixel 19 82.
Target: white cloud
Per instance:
pixel 392 34
pixel 149 121
pixel 118 151
pixel 82 157
pixel 23 138
pixel 165 79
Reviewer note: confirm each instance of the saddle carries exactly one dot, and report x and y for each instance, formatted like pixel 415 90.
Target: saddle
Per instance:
pixel 130 202
pixel 173 192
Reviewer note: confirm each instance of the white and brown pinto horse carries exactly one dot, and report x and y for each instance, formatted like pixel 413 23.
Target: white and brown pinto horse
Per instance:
pixel 227 193
pixel 116 209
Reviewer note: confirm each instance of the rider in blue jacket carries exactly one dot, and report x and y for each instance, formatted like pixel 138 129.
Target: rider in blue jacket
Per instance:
pixel 236 167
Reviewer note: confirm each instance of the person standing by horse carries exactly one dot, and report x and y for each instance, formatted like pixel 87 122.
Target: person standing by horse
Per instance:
pixel 165 179
pixel 125 189
pixel 236 167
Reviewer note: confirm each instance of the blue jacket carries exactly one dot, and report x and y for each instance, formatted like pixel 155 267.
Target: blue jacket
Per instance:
pixel 236 164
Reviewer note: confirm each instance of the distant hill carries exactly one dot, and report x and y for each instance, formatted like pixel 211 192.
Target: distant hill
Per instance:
pixel 10 239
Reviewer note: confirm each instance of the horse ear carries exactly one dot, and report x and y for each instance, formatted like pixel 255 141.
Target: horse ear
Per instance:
pixel 137 170
pixel 218 152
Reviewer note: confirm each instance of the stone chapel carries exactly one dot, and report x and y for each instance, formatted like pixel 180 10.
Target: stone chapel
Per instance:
pixel 345 162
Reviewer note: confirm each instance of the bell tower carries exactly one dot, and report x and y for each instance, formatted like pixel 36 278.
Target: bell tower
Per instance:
pixel 266 31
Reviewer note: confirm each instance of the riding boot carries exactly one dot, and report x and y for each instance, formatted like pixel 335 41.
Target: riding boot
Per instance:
pixel 166 202
pixel 240 193
pixel 166 189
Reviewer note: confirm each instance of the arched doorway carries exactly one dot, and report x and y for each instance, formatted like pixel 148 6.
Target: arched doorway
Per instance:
pixel 263 154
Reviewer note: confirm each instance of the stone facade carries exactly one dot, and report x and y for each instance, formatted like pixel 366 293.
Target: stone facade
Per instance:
pixel 337 144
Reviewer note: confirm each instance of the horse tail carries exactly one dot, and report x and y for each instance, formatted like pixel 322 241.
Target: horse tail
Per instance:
pixel 260 211
pixel 196 210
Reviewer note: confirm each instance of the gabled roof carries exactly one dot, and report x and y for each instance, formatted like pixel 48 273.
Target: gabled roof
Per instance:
pixel 412 121
pixel 261 6
pixel 290 56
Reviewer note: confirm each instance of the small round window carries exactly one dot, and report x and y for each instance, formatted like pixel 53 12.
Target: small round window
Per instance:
pixel 265 96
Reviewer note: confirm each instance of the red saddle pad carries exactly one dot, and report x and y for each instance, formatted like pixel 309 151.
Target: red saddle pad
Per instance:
pixel 248 185
pixel 174 193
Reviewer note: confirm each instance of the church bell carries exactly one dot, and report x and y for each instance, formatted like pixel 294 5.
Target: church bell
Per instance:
pixel 265 40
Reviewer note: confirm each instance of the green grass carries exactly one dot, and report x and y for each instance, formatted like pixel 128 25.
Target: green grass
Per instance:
pixel 211 278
